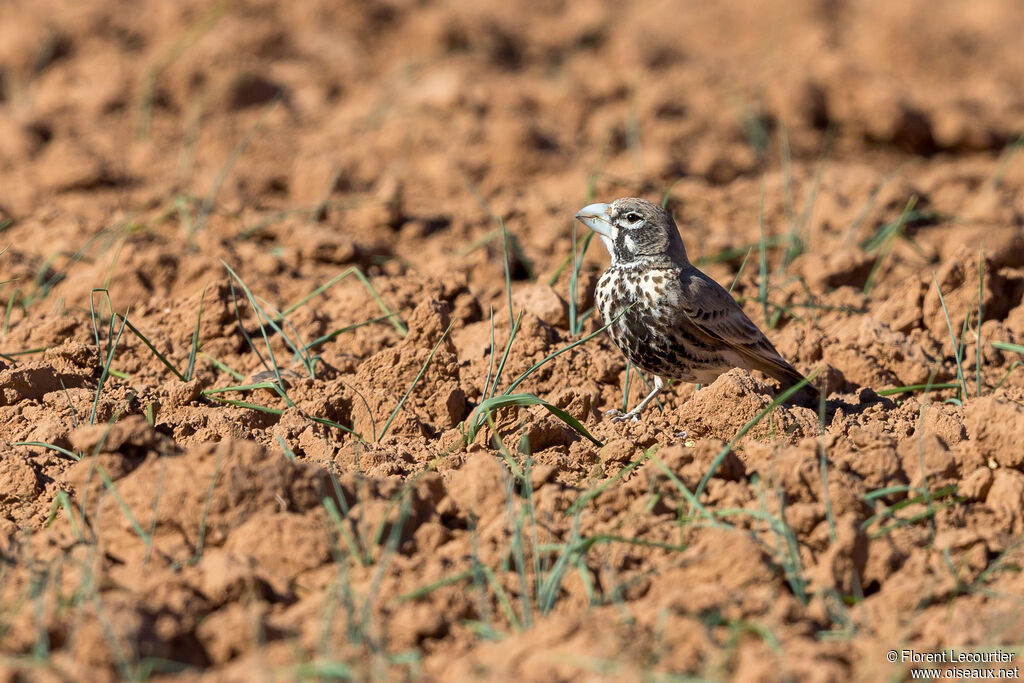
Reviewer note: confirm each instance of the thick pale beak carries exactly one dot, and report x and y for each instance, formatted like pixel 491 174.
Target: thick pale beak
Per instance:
pixel 595 217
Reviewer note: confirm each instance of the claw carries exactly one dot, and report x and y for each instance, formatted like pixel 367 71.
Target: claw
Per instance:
pixel 634 414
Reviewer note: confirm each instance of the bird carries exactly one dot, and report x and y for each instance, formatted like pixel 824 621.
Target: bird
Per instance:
pixel 666 316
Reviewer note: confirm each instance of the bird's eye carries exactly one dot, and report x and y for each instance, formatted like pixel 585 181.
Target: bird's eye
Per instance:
pixel 633 217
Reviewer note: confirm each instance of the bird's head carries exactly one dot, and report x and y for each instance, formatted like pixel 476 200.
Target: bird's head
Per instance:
pixel 635 230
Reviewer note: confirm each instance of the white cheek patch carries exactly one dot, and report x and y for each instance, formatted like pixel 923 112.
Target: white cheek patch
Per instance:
pixel 629 242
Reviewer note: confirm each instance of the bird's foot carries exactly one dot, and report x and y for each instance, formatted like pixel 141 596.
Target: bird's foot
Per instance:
pixel 619 416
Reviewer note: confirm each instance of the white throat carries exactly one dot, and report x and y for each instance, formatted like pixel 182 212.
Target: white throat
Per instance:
pixel 608 244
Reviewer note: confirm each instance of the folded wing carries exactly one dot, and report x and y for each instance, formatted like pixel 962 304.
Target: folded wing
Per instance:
pixel 715 314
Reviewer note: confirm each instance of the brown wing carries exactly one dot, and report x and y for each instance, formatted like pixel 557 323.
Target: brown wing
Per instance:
pixel 714 313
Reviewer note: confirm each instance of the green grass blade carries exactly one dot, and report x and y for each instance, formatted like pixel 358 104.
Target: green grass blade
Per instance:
pixel 500 445
pixel 508 266
pixel 823 468
pixel 667 194
pixel 886 491
pixel 527 399
pixel 739 272
pixel 201 539
pixel 396 320
pixel 11 355
pixel 504 356
pixel 61 501
pixel 415 381
pixel 154 514
pixel 336 425
pixel 71 405
pixel 345 532
pixel 250 406
pixel 223 367
pixel 797 241
pixel 787 173
pixel 885 240
pixel 733 253
pixel 479 242
pixel 1005 162
pixel 589 542
pixel 762 283
pixel 522 378
pixel 911 388
pixel 423 591
pixel 1007 346
pixel 297 346
pixel 517 548
pixel 792 562
pixel 625 386
pixel 325 670
pixel 161 357
pixel 552 583
pixel 106 370
pixel 95 318
pixel 485 392
pixel 503 600
pixel 245 387
pixel 577 245
pixel 952 338
pixel 576 325
pixel 913 519
pixel 147 87
pixel 1013 366
pixel 11 302
pixel 851 232
pixel 194 348
pixel 124 506
pixel 687 494
pixel 981 294
pixel 260 317
pixel 593 493
pixel 52 447
pixel 923 498
pixel 206 207
pixel 285 448
pixel 348 328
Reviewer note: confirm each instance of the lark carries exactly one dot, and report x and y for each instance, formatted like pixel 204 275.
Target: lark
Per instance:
pixel 665 315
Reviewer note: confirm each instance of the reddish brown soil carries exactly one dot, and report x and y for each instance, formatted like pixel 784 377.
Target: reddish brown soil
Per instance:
pixel 144 143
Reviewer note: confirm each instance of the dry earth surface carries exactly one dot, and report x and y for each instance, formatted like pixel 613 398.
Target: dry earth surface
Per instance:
pixel 175 174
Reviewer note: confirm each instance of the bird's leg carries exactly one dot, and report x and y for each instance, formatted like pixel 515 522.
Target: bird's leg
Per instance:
pixel 634 414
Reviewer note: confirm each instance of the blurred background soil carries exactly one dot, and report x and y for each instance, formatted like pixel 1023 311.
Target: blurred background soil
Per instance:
pixel 155 156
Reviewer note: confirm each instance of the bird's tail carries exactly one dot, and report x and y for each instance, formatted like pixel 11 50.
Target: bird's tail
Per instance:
pixel 787 375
